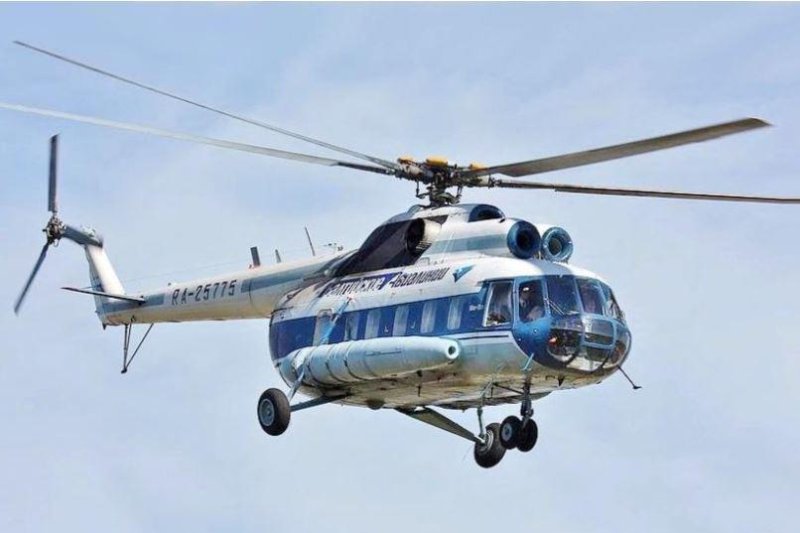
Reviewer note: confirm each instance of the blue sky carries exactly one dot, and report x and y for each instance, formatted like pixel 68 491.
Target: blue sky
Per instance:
pixel 711 291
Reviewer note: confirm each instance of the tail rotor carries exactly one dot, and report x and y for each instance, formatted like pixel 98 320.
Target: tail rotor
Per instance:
pixel 54 229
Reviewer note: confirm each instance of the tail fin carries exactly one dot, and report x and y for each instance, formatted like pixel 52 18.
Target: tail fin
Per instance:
pixel 102 275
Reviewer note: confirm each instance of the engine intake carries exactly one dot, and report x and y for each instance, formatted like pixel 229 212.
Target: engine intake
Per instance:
pixel 420 235
pixel 523 239
pixel 555 245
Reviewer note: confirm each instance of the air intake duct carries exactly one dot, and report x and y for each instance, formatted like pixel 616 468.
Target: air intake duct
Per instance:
pixel 523 240
pixel 420 235
pixel 555 245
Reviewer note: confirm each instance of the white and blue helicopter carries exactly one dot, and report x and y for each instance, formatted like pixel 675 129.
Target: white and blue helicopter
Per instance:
pixel 445 306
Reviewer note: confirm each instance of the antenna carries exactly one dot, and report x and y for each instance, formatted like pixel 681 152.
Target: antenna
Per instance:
pixel 254 256
pixel 277 256
pixel 310 244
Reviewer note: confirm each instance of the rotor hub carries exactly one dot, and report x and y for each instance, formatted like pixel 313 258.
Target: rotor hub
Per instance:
pixel 54 229
pixel 437 174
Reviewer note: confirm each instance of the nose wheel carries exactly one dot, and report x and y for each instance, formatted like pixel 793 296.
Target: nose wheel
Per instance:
pixel 514 433
pixel 510 431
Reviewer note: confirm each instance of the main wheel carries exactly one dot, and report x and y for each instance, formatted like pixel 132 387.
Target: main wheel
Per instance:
pixel 274 412
pixel 489 453
pixel 509 432
pixel 528 435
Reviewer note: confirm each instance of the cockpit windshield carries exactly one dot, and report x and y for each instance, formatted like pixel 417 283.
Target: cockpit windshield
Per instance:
pixel 562 296
pixel 568 295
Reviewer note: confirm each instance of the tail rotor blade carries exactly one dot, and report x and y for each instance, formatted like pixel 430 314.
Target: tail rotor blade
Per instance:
pixel 28 283
pixel 52 204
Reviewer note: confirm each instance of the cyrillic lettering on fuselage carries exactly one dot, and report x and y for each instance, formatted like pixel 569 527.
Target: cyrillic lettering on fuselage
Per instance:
pixel 375 283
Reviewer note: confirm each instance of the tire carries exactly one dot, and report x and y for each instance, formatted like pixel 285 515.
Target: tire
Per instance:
pixel 491 452
pixel 273 412
pixel 509 432
pixel 528 435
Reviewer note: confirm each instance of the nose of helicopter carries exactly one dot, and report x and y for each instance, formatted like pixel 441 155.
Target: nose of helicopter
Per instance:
pixel 581 341
pixel 588 342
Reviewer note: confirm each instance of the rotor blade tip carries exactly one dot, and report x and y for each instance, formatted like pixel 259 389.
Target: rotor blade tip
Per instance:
pixel 758 123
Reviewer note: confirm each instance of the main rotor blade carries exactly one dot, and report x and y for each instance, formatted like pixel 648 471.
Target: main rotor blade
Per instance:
pixel 28 283
pixel 52 203
pixel 608 191
pixel 618 151
pixel 221 143
pixel 276 129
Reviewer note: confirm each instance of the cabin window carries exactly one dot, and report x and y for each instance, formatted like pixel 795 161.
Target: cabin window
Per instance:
pixel 387 319
pixel 428 317
pixel 531 301
pixel 351 327
pixel 373 324
pixel 454 312
pixel 400 320
pixel 323 327
pixel 498 312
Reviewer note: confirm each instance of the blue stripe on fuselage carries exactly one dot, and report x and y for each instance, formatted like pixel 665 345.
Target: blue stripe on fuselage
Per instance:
pixel 288 335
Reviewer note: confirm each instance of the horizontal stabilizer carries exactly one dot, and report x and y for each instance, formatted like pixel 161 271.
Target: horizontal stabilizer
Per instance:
pixel 106 295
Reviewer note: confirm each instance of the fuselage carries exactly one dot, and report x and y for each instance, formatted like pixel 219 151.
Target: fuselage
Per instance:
pixel 455 306
pixel 554 325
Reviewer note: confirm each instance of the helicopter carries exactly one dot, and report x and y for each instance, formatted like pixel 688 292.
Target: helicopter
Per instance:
pixel 448 305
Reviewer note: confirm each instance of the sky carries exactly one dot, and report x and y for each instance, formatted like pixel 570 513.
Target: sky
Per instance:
pixel 710 290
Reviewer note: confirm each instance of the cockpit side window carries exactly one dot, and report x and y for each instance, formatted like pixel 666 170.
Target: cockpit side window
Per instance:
pixel 591 296
pixel 499 309
pixel 531 301
pixel 562 295
pixel 612 308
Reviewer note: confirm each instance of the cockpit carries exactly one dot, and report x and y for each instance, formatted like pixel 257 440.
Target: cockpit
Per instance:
pixel 565 320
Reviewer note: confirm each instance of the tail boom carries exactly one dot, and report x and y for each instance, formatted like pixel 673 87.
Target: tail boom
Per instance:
pixel 252 293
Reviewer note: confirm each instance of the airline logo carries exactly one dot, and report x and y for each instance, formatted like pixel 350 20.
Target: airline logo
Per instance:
pixel 378 282
pixel 461 271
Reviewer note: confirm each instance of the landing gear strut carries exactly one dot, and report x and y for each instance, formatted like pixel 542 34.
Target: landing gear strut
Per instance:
pixel 520 433
pixel 275 412
pixel 492 441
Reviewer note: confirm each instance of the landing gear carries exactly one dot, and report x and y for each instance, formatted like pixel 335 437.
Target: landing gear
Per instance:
pixel 528 434
pixel 489 452
pixel 274 412
pixel 510 432
pixel 516 434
